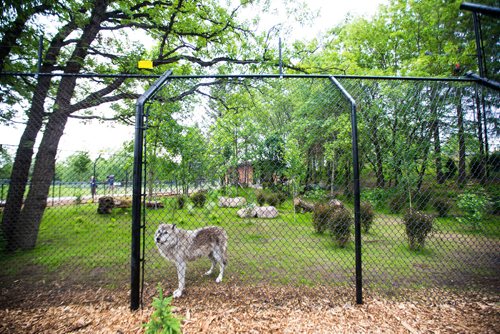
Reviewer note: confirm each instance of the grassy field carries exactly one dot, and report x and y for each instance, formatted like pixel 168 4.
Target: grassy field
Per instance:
pixel 78 245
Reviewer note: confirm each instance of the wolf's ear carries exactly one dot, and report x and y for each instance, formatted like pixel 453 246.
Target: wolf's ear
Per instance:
pixel 173 226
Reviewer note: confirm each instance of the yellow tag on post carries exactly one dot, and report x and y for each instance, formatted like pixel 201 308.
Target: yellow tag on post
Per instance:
pixel 145 64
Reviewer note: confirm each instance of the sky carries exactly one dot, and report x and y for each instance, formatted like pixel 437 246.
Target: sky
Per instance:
pixel 96 138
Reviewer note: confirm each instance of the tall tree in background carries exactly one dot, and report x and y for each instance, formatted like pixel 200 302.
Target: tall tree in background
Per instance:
pixel 196 34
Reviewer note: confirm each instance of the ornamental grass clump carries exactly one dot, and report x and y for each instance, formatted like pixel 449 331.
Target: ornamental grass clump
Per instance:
pixel 339 226
pixel 321 217
pixel 199 198
pixel 418 226
pixel 260 197
pixel 366 215
pixel 181 201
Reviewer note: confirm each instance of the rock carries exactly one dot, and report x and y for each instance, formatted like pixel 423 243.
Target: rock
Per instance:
pixel 266 211
pixel 336 204
pixel 302 206
pixel 154 205
pixel 232 202
pixel 246 213
pixel 123 203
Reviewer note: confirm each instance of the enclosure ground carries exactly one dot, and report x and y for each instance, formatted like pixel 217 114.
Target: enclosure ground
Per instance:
pixel 233 308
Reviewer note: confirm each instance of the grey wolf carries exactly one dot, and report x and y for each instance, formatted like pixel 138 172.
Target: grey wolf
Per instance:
pixel 180 246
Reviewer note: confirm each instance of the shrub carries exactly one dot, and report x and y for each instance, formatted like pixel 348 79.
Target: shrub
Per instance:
pixel 282 196
pixel 495 205
pixel 273 199
pixel 199 198
pixel 473 207
pixel 418 227
pixel 366 215
pixel 162 320
pixel 340 226
pixel 442 206
pixel 78 199
pixel 181 200
pixel 321 217
pixel 261 197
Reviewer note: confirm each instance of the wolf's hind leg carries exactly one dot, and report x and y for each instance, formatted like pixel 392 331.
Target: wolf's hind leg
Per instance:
pixel 219 259
pixel 214 262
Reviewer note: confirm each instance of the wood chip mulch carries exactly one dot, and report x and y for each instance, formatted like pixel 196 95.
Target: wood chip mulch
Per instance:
pixel 230 308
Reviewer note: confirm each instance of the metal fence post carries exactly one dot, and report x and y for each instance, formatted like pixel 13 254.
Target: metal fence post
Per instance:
pixel 135 274
pixel 357 193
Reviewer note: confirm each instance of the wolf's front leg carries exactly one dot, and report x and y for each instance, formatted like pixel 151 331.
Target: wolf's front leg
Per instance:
pixel 181 276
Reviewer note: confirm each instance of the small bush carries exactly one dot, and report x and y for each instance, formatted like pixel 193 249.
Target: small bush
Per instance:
pixel 162 320
pixel 495 205
pixel 473 207
pixel 273 199
pixel 260 197
pixel 78 199
pixel 418 227
pixel 181 201
pixel 442 206
pixel 321 217
pixel 340 226
pixel 199 198
pixel 282 196
pixel 366 215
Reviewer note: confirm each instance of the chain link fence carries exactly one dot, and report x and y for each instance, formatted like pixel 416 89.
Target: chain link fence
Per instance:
pixel 269 160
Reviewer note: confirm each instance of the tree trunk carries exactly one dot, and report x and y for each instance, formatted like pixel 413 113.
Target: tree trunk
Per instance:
pixel 24 154
pixel 21 166
pixel 31 214
pixel 43 172
pixel 461 142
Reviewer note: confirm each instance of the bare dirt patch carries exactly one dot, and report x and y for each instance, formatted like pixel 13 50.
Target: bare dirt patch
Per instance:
pixel 231 308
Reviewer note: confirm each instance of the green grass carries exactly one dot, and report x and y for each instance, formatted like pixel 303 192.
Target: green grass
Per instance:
pixel 75 242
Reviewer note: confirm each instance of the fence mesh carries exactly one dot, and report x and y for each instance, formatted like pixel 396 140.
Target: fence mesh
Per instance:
pixel 429 180
pixel 269 160
pixel 429 175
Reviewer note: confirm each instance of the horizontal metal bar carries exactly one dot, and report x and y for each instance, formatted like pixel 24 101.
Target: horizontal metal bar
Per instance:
pixel 485 81
pixel 81 75
pixel 249 76
pixel 482 9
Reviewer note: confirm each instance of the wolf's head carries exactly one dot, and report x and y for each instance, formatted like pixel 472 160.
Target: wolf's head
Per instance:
pixel 166 235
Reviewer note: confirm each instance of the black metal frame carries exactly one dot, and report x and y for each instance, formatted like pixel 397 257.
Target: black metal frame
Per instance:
pixel 136 259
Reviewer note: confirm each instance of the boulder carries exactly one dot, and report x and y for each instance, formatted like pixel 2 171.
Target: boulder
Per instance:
pixel 336 204
pixel 266 212
pixel 232 202
pixel 246 213
pixel 302 206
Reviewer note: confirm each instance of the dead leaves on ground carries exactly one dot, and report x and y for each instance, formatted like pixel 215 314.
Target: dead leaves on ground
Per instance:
pixel 254 309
